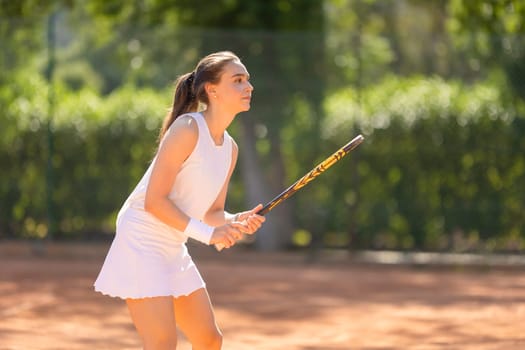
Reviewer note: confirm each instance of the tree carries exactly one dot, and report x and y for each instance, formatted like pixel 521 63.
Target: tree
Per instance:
pixel 278 40
pixel 494 31
pixel 268 35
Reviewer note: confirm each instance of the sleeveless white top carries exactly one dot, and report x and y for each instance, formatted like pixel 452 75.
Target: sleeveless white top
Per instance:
pixel 200 178
pixel 148 257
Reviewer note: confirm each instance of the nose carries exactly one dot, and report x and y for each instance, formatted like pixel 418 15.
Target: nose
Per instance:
pixel 249 86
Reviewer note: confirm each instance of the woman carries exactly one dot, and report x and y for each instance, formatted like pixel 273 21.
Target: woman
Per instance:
pixel 181 195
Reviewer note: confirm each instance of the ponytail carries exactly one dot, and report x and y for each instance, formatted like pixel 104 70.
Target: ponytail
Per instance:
pixel 184 101
pixel 189 88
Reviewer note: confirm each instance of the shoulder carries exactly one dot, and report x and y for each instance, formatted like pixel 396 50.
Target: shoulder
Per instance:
pixel 184 126
pixel 185 123
pixel 181 136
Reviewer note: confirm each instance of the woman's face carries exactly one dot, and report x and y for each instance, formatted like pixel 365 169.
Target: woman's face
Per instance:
pixel 234 91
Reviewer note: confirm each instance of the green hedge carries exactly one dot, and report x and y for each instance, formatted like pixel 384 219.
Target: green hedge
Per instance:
pixel 101 148
pixel 442 166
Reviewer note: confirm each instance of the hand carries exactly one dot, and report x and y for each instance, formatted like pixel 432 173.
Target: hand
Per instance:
pixel 250 220
pixel 226 235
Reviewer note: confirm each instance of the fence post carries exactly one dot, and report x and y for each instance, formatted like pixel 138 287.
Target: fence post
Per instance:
pixel 51 43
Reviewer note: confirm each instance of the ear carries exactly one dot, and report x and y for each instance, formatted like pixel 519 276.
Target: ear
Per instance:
pixel 209 88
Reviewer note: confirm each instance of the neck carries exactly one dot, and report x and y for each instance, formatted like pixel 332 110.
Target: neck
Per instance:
pixel 218 121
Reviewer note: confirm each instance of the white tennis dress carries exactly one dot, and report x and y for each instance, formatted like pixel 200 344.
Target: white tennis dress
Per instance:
pixel 148 258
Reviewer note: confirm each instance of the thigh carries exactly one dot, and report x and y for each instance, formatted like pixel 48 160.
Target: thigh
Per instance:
pixel 195 317
pixel 154 319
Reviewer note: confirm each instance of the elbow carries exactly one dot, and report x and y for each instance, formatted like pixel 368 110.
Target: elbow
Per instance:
pixel 156 204
pixel 149 204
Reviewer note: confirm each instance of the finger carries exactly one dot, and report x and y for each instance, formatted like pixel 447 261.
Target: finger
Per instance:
pixel 256 218
pixel 232 240
pixel 238 227
pixel 256 209
pixel 250 229
pixel 254 222
pixel 226 243
pixel 236 235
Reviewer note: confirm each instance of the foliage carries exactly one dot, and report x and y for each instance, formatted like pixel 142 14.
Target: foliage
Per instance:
pixel 102 148
pixel 493 31
pixel 441 161
pixel 426 176
pixel 441 167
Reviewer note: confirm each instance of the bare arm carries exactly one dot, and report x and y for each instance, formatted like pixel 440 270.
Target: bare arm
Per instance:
pixel 176 147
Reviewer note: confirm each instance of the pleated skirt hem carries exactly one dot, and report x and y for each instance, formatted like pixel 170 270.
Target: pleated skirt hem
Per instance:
pixel 145 261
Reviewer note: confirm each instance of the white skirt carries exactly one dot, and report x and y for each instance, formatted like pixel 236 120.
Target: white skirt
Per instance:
pixel 147 259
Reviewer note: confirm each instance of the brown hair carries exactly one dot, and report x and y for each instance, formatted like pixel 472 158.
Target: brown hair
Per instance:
pixel 189 87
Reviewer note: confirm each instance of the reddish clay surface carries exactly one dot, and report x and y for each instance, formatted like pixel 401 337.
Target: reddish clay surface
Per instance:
pixel 270 302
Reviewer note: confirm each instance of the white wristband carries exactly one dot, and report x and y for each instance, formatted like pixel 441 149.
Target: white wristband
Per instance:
pixel 199 230
pixel 231 217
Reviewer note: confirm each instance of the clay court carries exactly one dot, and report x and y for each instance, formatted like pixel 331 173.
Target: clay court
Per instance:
pixel 270 302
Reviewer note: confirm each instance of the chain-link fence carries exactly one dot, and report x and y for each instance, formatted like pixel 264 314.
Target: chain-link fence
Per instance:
pixel 442 166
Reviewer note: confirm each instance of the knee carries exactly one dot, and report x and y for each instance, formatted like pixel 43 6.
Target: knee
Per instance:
pixel 212 340
pixel 160 341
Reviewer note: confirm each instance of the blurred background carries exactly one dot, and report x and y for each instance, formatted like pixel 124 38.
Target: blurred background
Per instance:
pixel 436 87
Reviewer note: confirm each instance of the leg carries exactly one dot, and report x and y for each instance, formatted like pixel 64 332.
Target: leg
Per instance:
pixel 195 318
pixel 155 322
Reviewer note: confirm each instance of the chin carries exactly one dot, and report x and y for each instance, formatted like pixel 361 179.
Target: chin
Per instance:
pixel 244 109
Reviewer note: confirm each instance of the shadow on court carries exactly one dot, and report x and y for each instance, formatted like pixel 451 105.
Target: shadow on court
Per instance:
pixel 269 301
